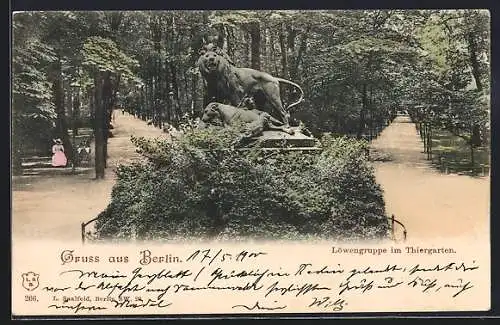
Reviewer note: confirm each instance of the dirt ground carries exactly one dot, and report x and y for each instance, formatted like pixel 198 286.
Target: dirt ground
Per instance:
pixel 430 205
pixel 54 207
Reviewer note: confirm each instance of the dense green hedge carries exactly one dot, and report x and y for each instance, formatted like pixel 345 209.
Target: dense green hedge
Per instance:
pixel 199 187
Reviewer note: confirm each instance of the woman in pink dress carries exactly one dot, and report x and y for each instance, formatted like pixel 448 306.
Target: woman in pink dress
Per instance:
pixel 58 157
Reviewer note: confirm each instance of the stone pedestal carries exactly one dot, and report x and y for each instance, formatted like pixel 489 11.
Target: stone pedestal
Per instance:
pixel 278 139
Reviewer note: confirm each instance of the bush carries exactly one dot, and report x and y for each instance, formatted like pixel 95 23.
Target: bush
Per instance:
pixel 200 187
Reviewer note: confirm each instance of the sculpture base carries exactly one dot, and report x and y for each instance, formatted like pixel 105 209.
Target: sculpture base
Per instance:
pixel 278 139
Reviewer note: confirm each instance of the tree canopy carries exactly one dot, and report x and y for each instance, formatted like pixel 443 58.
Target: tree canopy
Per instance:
pixel 356 67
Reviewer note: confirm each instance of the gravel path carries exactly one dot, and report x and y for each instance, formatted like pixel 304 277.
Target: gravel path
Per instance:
pixel 430 204
pixel 54 206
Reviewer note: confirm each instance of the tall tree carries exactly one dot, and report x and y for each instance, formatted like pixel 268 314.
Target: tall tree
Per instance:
pixel 33 114
pixel 108 66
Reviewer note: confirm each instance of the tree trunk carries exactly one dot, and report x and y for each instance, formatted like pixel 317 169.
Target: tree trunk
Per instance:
pixel 149 97
pixel 92 101
pixel 17 148
pixel 362 112
pixel 168 102
pixel 175 90
pixel 230 45
pixel 272 52
pixel 298 58
pixel 114 19
pixel 194 95
pixel 255 45
pixel 290 40
pixel 185 93
pixel 291 52
pixel 472 46
pixel 292 58
pixel 474 61
pixel 143 102
pixel 247 49
pixel 429 143
pixel 156 28
pixel 284 56
pixel 99 127
pixel 264 52
pixel 61 122
pixel 222 41
pixel 157 93
pixel 472 162
pixel 76 112
pixel 108 99
pixel 370 110
pixel 424 136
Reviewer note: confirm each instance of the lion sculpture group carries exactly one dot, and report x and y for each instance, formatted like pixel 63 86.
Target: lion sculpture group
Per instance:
pixel 228 84
pixel 255 121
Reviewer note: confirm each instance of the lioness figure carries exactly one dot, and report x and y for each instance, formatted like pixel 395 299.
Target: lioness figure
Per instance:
pixel 256 121
pixel 226 83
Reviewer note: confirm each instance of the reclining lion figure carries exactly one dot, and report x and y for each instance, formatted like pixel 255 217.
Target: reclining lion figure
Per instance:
pixel 256 122
pixel 226 83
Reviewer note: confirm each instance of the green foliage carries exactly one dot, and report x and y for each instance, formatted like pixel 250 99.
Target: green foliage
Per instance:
pixel 451 81
pixel 104 55
pixel 198 186
pixel 453 153
pixel 33 114
pixel 355 67
pixel 30 85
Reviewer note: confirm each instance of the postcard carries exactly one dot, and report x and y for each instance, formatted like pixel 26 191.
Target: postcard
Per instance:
pixel 226 162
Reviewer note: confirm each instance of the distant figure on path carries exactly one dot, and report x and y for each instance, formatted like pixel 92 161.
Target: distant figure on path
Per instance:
pixel 58 156
pixel 83 152
pixel 113 115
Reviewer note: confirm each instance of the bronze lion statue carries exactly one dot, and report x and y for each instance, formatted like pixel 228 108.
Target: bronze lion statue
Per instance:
pixel 255 121
pixel 226 83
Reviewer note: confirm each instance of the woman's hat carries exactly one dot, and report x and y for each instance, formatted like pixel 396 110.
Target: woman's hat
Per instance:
pixel 58 141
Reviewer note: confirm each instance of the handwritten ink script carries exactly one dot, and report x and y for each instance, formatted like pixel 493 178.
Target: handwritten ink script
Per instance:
pixel 247 281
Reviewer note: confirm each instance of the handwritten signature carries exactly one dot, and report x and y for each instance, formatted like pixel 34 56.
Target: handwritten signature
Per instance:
pixel 141 304
pixel 258 306
pixel 78 307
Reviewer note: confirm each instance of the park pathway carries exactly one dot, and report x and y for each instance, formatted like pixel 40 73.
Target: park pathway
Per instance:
pixel 54 206
pixel 431 205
